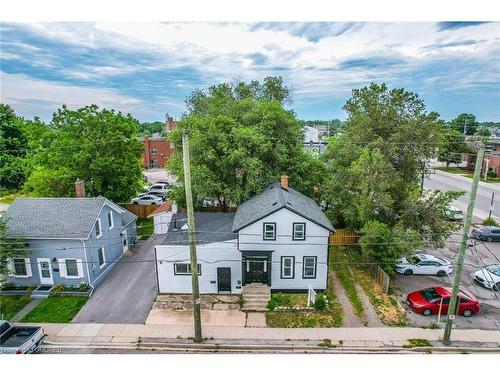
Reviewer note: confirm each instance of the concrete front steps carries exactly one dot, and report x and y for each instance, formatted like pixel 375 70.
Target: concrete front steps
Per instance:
pixel 255 297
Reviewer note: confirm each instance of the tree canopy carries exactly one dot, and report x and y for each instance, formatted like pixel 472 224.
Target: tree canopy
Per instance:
pixel 97 146
pixel 453 147
pixel 464 121
pixel 13 150
pixel 242 139
pixel 375 167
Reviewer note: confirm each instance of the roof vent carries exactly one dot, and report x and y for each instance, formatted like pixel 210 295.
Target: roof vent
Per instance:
pixel 275 203
pixel 290 203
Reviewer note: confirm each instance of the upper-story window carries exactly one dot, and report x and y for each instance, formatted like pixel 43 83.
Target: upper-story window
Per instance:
pixel 98 229
pixel 153 151
pixel 110 220
pixel 269 231
pixel 299 231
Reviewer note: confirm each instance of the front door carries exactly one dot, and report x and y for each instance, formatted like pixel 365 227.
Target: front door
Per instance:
pixel 45 271
pixel 224 279
pixel 256 271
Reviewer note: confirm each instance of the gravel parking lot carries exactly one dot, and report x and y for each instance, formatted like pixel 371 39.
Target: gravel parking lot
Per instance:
pixel 476 258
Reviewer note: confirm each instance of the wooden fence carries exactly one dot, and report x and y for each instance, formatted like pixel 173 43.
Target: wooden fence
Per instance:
pixel 380 276
pixel 142 211
pixel 343 237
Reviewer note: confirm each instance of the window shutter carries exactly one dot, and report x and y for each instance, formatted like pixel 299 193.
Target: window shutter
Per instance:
pixel 62 267
pixel 27 261
pixel 79 265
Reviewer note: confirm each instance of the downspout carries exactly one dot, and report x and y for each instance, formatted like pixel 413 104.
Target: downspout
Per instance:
pixel 87 263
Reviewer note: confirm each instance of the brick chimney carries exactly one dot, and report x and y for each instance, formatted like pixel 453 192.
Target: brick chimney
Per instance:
pixel 80 188
pixel 284 182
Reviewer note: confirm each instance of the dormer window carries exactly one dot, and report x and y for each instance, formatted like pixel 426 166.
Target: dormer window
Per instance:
pixel 269 231
pixel 299 231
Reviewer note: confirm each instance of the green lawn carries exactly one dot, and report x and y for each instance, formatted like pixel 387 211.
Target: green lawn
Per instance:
pixel 145 228
pixel 8 197
pixel 462 172
pixel 11 305
pixel 56 309
pixel 454 170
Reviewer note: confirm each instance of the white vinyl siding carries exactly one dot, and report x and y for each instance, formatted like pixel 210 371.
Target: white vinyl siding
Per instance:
pixel 68 264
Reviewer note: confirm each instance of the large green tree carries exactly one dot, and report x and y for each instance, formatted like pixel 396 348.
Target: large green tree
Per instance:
pixel 13 150
pixel 465 121
pixel 97 146
pixel 453 147
pixel 242 138
pixel 9 247
pixel 376 166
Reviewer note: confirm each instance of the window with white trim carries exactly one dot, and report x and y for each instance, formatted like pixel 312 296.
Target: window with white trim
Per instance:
pixel 71 268
pixel 20 267
pixel 287 267
pixel 102 257
pixel 299 231
pixel 184 269
pixel 269 231
pixel 98 229
pixel 309 267
pixel 110 220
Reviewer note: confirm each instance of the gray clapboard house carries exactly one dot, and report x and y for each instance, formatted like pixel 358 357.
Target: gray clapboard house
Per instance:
pixel 67 240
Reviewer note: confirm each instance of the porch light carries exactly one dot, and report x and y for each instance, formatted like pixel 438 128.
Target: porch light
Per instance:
pixel 248 266
pixel 54 260
pixel 265 266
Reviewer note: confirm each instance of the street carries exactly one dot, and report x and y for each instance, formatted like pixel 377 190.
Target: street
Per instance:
pixel 447 181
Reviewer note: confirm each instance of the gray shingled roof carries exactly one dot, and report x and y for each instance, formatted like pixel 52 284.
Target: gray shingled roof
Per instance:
pixel 53 217
pixel 274 198
pixel 210 227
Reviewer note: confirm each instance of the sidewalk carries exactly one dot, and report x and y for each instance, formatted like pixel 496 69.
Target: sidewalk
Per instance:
pixel 88 334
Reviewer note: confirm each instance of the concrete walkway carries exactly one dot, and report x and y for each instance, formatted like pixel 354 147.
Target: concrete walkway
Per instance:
pixel 87 334
pixel 26 309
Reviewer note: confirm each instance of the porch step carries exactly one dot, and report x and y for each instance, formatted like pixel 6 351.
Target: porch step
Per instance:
pixel 255 297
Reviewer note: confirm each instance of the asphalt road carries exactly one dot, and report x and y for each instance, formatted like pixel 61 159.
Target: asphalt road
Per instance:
pixel 446 182
pixel 127 293
pixel 475 258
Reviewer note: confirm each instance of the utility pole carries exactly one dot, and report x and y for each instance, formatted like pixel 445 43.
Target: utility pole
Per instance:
pixel 491 204
pixel 192 238
pixel 465 127
pixel 463 246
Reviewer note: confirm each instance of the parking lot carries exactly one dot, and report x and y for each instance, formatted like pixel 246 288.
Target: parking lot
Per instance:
pixel 476 258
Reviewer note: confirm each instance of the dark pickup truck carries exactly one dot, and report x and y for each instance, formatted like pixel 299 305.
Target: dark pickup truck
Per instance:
pixel 19 339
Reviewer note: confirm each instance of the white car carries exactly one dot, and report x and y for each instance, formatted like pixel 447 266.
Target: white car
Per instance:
pixel 489 277
pixel 147 199
pixel 424 264
pixel 159 188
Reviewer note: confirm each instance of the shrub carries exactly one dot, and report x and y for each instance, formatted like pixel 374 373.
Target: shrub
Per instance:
pixel 279 299
pixel 490 222
pixel 320 302
pixel 491 174
pixel 31 287
pixel 4 284
pixel 83 286
pixel 56 290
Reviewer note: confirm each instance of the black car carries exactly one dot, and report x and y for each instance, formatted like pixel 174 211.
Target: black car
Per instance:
pixel 487 234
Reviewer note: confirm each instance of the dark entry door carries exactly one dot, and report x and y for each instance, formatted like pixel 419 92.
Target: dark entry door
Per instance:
pixel 224 279
pixel 256 271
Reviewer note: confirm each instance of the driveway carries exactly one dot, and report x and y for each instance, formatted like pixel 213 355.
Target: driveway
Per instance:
pixel 127 293
pixel 475 258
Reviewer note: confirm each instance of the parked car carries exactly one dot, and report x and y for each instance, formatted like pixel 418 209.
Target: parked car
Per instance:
pixel 147 199
pixel 163 196
pixel 19 339
pixel 454 214
pixel 163 182
pixel 486 234
pixel 427 301
pixel 488 277
pixel 424 264
pixel 159 188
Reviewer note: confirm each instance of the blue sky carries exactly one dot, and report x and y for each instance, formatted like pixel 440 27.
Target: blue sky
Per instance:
pixel 148 69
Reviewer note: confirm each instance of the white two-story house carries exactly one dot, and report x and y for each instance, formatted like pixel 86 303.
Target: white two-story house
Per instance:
pixel 277 238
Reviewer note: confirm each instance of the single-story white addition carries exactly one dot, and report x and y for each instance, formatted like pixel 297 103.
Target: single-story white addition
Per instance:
pixel 278 238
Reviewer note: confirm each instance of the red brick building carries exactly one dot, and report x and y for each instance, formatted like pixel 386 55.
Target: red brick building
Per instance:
pixel 491 159
pixel 157 149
